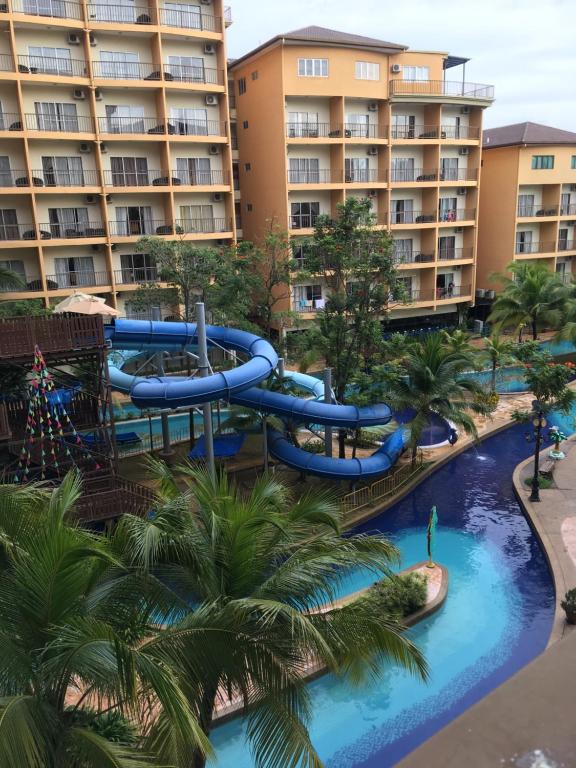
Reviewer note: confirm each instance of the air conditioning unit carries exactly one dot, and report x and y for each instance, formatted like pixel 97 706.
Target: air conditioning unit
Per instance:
pixel 85 148
pixel 479 324
pixel 73 38
pixel 480 293
pixel 211 100
pixel 93 39
pixel 461 191
pixel 217 197
pixel 459 230
pixel 373 106
pixel 372 151
pixel 210 48
pixel 213 149
pixel 98 94
pixel 372 193
pixel 396 69
pixel 108 198
pixel 91 199
pixel 78 94
pixel 103 147
pixel 464 110
pixel 463 151
pixel 113 247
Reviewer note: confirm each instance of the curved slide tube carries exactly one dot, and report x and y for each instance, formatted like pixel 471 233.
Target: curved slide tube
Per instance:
pixel 238 386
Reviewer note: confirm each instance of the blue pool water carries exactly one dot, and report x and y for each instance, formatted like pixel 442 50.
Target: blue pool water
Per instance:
pixel 496 618
pixel 509 378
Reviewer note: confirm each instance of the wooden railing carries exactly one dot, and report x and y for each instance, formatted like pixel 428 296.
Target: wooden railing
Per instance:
pixel 18 335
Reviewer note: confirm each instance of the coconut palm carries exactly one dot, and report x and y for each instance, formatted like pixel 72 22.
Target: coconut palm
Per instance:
pixel 459 341
pixel 80 661
pixel 496 352
pixel 259 565
pixel 533 296
pixel 430 381
pixel 9 280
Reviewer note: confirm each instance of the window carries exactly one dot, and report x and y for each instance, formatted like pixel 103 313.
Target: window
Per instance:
pixel 303 214
pixel 114 10
pixel 138 268
pixel 357 125
pixel 447 247
pixel 245 124
pixel 403 126
pixel 542 162
pixel 403 250
pixel 182 15
pixel 129 171
pixel 187 69
pixel 563 242
pixel 51 116
pixel 120 64
pixel 402 169
pixel 449 169
pixel 249 207
pixel 247 167
pixel 402 211
pixel 308 297
pixel 445 285
pixel 357 169
pixel 194 170
pixel 74 270
pixel 134 220
pixel 303 125
pixel 238 214
pixel 16 266
pixel 189 121
pixel 304 170
pixel 123 118
pixel 8 224
pixel 525 205
pixel 447 208
pixel 241 86
pixel 68 222
pixel 415 73
pixel 313 67
pixel 573 162
pixel 63 171
pixel 524 242
pixel 197 218
pixel 6 177
pixel 367 70
pixel 254 75
pixel 50 61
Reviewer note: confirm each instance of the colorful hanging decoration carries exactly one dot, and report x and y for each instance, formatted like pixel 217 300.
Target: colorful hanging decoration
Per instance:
pixel 50 433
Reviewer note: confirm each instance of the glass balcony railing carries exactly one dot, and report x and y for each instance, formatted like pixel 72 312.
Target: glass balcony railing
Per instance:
pixel 451 89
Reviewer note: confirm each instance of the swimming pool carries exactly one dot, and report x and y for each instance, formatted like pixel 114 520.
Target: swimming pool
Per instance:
pixel 497 616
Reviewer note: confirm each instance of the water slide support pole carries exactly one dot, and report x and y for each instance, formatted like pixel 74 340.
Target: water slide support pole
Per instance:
pixel 204 369
pixel 328 399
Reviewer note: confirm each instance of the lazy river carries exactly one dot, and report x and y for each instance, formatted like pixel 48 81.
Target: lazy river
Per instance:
pixel 497 616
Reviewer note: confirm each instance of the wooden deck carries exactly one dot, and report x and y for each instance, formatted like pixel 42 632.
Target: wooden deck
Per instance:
pixel 61 335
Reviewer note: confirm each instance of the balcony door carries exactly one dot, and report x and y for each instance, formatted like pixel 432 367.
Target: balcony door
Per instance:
pixel 565 204
pixel 402 169
pixel 138 268
pixel 563 239
pixel 447 208
pixel 134 220
pixel 55 116
pixel 189 69
pixel 194 170
pixel 526 205
pixel 304 170
pixel 129 171
pixel 449 169
pixel 404 251
pixel 444 285
pixel 197 218
pixel 357 124
pixel 303 215
pixel 451 127
pixel 524 242
pixel 50 61
pixel 8 224
pixel 6 179
pixel 68 222
pixel 303 125
pixel 123 11
pixel 189 122
pixel 74 271
pixel 120 65
pixel 447 247
pixel 63 171
pixel 402 211
pixel 403 126
pixel 357 169
pixel 182 15
pixel 124 118
pixel 308 297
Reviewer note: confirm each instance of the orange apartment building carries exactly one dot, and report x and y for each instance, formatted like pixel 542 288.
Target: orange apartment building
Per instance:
pixel 528 200
pixel 114 124
pixel 322 115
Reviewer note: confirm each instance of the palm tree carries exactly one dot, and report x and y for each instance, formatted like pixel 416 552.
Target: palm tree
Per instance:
pixel 533 296
pixel 259 565
pixel 80 658
pixel 496 352
pixel 459 341
pixel 9 280
pixel 429 382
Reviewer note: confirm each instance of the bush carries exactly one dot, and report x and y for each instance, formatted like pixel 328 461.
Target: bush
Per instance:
pixel 569 602
pixel 314 446
pixel 401 596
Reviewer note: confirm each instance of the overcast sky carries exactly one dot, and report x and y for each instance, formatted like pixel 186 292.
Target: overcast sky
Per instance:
pixel 525 48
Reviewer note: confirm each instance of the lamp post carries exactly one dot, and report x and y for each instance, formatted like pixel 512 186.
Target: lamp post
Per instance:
pixel 538 421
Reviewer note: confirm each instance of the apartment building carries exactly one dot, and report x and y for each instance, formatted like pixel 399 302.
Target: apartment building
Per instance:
pixel 114 124
pixel 528 200
pixel 323 115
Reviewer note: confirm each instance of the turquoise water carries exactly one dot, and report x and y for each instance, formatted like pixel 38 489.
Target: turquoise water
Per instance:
pixel 509 378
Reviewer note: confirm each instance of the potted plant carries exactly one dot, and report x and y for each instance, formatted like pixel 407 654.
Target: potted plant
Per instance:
pixel 569 606
pixel 557 437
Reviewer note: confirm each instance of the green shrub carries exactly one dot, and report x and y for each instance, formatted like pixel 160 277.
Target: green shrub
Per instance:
pixel 401 596
pixel 544 482
pixel 314 446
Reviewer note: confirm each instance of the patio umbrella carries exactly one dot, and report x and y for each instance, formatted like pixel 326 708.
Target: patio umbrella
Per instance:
pixel 84 304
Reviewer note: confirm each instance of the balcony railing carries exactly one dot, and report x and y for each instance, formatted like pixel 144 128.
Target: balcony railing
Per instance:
pixel 49 65
pixel 412 217
pixel 434 132
pixel 132 275
pixel 564 277
pixel 441 88
pixel 128 70
pixel 456 292
pixel 140 227
pixel 321 176
pixel 6 62
pixel 190 18
pixel 459 132
pixel 458 174
pixel 71 231
pixel 312 130
pixel 120 14
pixel 19 179
pixel 75 279
pixel 84 178
pixel 568 210
pixel 196 127
pixel 413 174
pixel 365 176
pixel 11 121
pixel 195 178
pixel 457 214
pixel 304 221
pixel 370 131
pixel 308 305
pixel 421 294
pixel 155 126
pixel 17 232
pixel 203 226
pixel 135 179
pixel 537 210
pixel 524 249
pixel 412 257
pixel 59 123
pixel 184 73
pixel 32 283
pixel 450 254
pixel 567 245
pixel 57 9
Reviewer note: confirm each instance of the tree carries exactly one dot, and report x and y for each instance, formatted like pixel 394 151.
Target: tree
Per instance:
pixel 81 654
pixel 258 566
pixel 496 352
pixel 533 296
pixel 354 261
pixel 459 341
pixel 549 383
pixel 9 280
pixel 430 381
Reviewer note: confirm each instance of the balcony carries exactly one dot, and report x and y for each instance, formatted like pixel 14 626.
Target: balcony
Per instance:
pixel 412 217
pixel 183 73
pixel 201 178
pixel 56 9
pixel 327 176
pixel 140 227
pixel 456 292
pixel 191 18
pixel 356 131
pixel 312 131
pixel 134 70
pixel 405 175
pixel 434 132
pixel 452 254
pixel 421 294
pixel 450 89
pixel 304 221
pixel 457 214
pixel 48 65
pixel 120 14
pixel 365 176
pixel 17 232
pixel 136 179
pixel 72 231
pixel 136 275
pixel 84 178
pixel 6 62
pixel 11 121
pixel 59 123
pixel 458 174
pixel 568 210
pixel 203 226
pixel 33 283
pixel 525 249
pixel 412 257
pixel 567 245
pixel 155 127
pixel 525 211
pixel 564 277
pixel 79 279
pixel 307 305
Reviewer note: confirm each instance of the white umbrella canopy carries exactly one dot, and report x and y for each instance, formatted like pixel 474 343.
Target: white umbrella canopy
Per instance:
pixel 84 304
